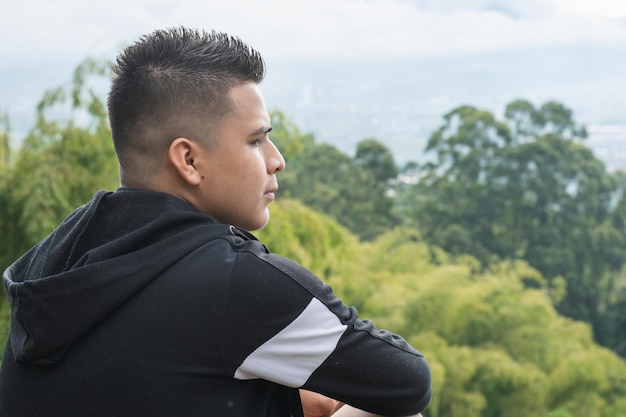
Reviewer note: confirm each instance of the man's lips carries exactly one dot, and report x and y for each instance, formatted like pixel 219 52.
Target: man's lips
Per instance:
pixel 271 193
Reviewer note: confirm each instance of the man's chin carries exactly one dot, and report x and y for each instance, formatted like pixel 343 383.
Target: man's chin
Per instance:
pixel 261 224
pixel 254 224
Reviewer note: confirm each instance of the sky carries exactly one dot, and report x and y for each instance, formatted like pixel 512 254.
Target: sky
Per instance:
pixel 41 31
pixel 43 41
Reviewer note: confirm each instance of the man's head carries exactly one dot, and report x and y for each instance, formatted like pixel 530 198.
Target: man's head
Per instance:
pixel 174 83
pixel 187 118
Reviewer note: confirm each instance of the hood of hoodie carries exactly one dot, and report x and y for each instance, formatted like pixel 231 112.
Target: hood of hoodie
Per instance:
pixel 99 257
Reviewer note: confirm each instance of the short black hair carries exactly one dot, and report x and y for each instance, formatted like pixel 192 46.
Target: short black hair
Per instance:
pixel 167 82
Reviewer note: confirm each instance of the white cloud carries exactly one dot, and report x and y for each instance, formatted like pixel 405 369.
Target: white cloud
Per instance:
pixel 44 31
pixel 603 9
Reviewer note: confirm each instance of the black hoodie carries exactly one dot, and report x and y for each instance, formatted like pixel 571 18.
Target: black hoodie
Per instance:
pixel 140 305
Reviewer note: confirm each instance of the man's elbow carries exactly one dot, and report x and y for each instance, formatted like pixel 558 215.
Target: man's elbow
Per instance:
pixel 419 387
pixel 420 402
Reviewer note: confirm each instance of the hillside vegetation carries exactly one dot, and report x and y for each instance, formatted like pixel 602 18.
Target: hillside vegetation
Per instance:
pixel 496 347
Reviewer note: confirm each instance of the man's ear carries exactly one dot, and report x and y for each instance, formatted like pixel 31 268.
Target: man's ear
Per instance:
pixel 181 155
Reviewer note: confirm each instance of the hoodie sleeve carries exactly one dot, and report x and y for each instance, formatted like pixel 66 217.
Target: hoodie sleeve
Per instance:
pixel 286 326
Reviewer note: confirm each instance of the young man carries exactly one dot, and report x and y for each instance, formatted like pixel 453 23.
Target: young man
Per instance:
pixel 154 300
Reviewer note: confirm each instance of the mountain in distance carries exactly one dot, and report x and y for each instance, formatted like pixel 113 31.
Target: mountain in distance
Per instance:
pixel 400 102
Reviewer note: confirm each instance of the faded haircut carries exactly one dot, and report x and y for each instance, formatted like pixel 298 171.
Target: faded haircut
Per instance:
pixel 175 83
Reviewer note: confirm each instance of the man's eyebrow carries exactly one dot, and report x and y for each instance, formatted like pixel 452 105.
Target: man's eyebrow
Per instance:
pixel 263 130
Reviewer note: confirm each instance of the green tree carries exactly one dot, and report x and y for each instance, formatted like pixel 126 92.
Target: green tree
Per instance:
pixel 526 188
pixel 66 157
pixel 354 191
pixel 63 160
pixel 376 158
pixel 451 204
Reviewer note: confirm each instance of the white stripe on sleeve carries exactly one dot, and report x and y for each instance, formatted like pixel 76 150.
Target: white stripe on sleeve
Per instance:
pixel 292 355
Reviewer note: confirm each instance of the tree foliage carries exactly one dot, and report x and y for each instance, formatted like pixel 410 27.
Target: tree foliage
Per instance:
pixel 527 188
pixel 354 191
